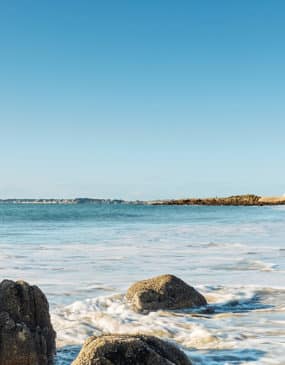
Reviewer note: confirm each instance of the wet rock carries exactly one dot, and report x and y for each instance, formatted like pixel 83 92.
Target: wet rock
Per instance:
pixel 26 333
pixel 164 292
pixel 129 350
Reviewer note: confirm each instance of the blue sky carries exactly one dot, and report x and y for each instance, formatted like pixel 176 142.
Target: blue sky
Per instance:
pixel 141 100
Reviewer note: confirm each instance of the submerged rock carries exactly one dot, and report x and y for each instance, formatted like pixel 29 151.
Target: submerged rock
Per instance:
pixel 26 333
pixel 164 292
pixel 129 350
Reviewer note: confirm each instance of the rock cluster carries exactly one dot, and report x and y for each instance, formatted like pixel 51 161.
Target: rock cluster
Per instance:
pixel 164 292
pixel 129 350
pixel 244 200
pixel 27 336
pixel 26 333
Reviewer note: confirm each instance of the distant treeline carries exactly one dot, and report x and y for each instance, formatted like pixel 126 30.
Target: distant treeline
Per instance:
pixel 62 201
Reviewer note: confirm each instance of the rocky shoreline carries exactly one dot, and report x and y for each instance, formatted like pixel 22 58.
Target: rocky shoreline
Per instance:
pixel 27 336
pixel 234 200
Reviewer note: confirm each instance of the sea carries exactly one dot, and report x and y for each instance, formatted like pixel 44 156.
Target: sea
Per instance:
pixel 85 256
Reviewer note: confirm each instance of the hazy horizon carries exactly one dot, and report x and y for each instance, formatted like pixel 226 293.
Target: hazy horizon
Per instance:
pixel 119 198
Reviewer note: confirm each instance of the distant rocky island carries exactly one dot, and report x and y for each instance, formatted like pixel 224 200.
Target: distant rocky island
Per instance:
pixel 246 200
pixel 236 200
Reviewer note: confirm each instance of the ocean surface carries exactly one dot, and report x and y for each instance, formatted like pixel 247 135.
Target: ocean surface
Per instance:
pixel 84 257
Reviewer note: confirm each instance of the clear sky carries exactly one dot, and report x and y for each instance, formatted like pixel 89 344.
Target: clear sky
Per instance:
pixel 141 99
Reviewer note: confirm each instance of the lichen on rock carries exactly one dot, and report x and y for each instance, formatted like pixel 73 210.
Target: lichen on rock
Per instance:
pixel 163 292
pixel 130 350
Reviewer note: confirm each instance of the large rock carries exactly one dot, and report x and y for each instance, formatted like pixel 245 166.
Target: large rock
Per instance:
pixel 26 333
pixel 164 292
pixel 129 350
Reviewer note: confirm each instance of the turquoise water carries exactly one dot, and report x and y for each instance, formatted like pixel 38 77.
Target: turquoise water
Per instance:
pixel 84 257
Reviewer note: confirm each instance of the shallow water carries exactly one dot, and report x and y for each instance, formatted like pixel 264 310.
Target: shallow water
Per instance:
pixel 84 257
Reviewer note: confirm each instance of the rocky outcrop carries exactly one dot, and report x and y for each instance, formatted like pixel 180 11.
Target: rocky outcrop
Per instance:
pixel 236 200
pixel 163 292
pixel 129 350
pixel 26 333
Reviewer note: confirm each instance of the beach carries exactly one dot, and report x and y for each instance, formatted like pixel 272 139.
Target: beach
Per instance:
pixel 84 257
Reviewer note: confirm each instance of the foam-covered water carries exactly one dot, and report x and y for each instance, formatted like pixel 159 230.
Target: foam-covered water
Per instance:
pixel 84 257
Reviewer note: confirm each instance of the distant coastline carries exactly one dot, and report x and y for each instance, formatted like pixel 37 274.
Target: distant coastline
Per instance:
pixel 235 200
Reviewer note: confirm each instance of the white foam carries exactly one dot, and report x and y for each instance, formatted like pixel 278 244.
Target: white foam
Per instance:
pixel 113 315
pixel 189 329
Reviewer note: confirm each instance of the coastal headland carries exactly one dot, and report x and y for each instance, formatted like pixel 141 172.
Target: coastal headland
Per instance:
pixel 234 200
pixel 243 200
